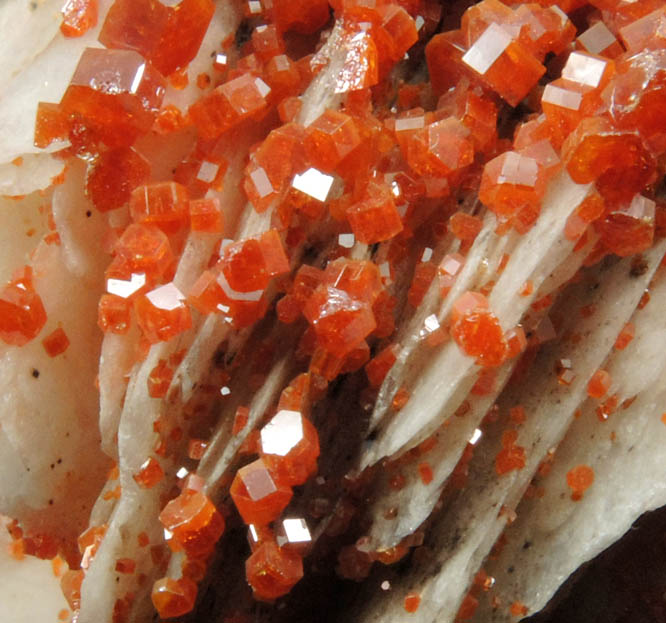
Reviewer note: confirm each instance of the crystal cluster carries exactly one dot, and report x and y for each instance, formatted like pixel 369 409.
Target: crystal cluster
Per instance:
pixel 354 203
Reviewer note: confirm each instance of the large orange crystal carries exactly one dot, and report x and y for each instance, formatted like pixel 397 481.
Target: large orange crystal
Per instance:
pixel 329 138
pixel 162 313
pixel 248 265
pixel 290 447
pixel 340 321
pixel 78 16
pixel 272 571
pixel 22 313
pixel 258 495
pixel 510 183
pixel 629 228
pixel 194 522
pixel 616 159
pixel 173 598
pixel 504 64
pixel 635 98
pixel 168 36
pixel 113 175
pixel 375 218
pixel 145 249
pixel 228 105
pixel 112 98
pixel 477 331
pixel 164 204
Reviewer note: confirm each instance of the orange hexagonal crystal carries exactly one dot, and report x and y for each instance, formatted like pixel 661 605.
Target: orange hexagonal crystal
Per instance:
pixel 329 138
pixel 635 99
pixel 112 98
pixel 195 523
pixel 162 313
pixel 113 176
pixel 248 265
pixel 150 473
pixel 114 314
pixel 168 36
pixel 159 379
pixel 504 64
pixel 56 342
pixel 258 495
pixel 599 384
pixel 477 330
pixel 146 249
pixel 616 159
pixel 440 148
pixel 164 204
pixel 511 182
pixel 173 598
pixel 340 321
pixel 206 215
pixel 629 228
pixel 376 217
pixel 211 293
pixel 229 104
pixel 50 124
pixel 22 313
pixel 78 16
pixel 598 39
pixel 290 447
pixel 444 54
pixel 272 571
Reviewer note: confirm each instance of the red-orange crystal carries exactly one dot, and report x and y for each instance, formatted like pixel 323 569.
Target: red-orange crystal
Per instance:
pixel 477 331
pixel 290 447
pixel 78 16
pixel 164 204
pixel 56 343
pixel 579 479
pixel 258 495
pixel 272 571
pixel 195 523
pixel 162 313
pixel 173 598
pixel 113 175
pixel 22 313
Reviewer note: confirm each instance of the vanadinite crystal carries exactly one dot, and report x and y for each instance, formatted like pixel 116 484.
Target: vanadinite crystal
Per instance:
pixel 112 177
pixel 272 570
pixel 616 159
pixel 22 313
pixel 78 16
pixel 258 494
pixel 165 205
pixel 229 104
pixel 168 36
pixel 173 598
pixel 194 522
pixel 145 249
pixel 290 447
pixel 504 64
pixel 162 313
pixel 477 330
pixel 112 98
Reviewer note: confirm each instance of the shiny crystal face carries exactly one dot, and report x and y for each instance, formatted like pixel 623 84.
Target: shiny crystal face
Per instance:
pixel 283 433
pixel 232 207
